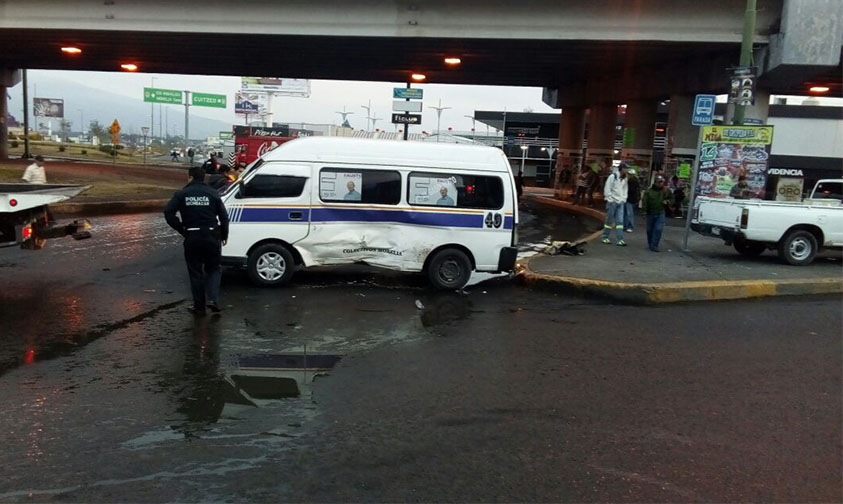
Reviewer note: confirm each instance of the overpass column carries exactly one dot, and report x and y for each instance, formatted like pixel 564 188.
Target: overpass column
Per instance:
pixel 638 136
pixel 8 78
pixel 681 145
pixel 569 149
pixel 602 123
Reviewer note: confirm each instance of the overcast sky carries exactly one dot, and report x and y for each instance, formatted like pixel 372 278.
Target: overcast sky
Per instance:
pixel 326 98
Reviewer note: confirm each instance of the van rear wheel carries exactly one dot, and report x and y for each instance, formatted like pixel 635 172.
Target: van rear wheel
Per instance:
pixel 449 269
pixel 270 265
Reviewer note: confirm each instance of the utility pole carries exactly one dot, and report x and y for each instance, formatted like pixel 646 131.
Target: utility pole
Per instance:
pixel 368 108
pixel 26 153
pixel 406 125
pixel 375 119
pixel 81 120
pixel 746 52
pixel 186 119
pixel 439 110
pixel 344 115
pixel 152 114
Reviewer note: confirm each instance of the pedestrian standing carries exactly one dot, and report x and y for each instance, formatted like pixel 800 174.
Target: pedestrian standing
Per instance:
pixel 203 223
pixel 615 193
pixel 633 196
pixel 655 202
pixel 190 155
pixel 35 173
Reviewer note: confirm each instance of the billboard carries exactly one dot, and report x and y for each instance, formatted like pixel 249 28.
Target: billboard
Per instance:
pixel 727 152
pixel 48 107
pixel 276 86
pixel 249 103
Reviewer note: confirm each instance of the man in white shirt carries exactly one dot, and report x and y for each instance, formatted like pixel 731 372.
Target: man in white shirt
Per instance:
pixel 35 173
pixel 615 193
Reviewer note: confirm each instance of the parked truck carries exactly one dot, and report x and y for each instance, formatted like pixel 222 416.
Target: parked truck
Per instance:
pixel 25 218
pixel 796 230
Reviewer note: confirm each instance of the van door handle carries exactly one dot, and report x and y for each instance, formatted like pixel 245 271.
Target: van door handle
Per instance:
pixel 295 215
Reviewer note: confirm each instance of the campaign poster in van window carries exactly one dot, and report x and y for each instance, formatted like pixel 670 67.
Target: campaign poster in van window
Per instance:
pixel 727 152
pixel 433 191
pixel 341 186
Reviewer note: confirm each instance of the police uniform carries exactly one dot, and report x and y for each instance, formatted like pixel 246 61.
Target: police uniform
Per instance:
pixel 203 223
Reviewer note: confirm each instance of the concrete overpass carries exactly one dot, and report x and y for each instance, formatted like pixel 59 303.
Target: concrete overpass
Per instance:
pixel 586 55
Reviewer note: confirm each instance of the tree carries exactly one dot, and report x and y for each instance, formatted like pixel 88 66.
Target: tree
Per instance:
pixel 98 131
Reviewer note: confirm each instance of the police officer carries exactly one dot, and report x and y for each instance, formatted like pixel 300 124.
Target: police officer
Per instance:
pixel 203 223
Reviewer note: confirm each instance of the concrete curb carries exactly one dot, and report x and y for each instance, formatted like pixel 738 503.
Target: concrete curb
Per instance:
pixel 677 292
pixel 88 209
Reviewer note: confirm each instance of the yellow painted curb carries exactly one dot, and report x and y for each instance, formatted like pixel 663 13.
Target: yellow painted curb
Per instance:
pixel 675 292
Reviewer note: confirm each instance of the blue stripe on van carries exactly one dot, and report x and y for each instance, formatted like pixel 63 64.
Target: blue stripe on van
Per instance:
pixel 253 214
pixel 268 214
pixel 402 217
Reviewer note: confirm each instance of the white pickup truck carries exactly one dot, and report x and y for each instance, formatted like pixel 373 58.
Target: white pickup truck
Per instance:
pixel 24 217
pixel 796 229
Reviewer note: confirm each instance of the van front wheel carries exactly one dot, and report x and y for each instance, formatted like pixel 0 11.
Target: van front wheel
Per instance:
pixel 449 269
pixel 270 265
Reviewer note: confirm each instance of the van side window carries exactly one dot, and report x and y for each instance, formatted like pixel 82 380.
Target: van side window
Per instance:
pixel 342 185
pixel 273 186
pixel 455 190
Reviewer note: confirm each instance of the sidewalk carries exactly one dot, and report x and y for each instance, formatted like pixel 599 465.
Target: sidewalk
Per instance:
pixel 709 271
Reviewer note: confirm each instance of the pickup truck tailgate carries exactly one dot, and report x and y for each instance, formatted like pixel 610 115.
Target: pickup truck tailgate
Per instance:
pixel 721 213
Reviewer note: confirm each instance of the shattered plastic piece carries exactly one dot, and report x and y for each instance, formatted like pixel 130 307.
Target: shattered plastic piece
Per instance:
pixel 419 305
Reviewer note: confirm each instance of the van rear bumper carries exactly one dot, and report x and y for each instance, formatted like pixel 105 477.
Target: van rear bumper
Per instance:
pixel 506 261
pixel 234 261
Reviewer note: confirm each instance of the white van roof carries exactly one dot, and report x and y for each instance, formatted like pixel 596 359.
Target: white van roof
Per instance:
pixel 387 152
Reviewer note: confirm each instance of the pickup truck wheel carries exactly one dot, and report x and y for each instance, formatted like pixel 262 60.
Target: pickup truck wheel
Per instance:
pixel 799 247
pixel 749 249
pixel 449 269
pixel 270 265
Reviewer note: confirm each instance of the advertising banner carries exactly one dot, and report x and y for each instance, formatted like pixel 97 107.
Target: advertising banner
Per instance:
pixel 433 191
pixel 727 152
pixel 48 107
pixel 249 103
pixel 344 186
pixel 276 86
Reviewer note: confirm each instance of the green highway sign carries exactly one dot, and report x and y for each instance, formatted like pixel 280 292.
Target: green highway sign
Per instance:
pixel 208 100
pixel 226 135
pixel 156 95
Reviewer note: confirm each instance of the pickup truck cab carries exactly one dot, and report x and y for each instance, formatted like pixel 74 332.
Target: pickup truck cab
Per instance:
pixel 797 230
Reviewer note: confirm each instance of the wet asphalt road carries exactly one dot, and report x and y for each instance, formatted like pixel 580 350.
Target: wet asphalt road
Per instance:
pixel 110 392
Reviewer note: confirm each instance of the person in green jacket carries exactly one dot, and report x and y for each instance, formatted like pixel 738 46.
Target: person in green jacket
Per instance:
pixel 655 201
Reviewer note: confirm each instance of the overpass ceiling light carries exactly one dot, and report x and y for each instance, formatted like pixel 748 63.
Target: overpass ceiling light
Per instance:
pixel 71 50
pixel 819 89
pixel 452 61
pixel 129 67
pixel 419 76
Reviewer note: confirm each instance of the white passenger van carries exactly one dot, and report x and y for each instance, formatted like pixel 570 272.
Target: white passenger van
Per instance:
pixel 443 209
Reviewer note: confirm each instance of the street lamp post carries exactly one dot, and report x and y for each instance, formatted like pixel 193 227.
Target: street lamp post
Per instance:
pixel 439 110
pixel 523 158
pixel 472 126
pixel 152 113
pixel 145 132
pixel 368 115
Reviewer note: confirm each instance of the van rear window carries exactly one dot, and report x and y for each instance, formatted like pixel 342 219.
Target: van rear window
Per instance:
pixel 343 185
pixel 455 190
